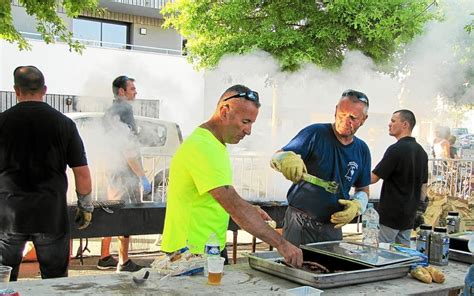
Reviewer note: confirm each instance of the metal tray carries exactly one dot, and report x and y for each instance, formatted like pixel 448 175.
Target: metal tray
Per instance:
pixel 461 256
pixel 366 255
pixel 459 241
pixel 458 249
pixel 354 272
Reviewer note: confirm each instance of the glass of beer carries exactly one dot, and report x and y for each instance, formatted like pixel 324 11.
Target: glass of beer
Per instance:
pixel 215 268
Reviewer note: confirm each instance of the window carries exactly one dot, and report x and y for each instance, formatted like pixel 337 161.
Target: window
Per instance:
pixel 101 33
pixel 151 134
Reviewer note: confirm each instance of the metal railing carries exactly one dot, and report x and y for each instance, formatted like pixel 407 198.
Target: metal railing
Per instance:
pixel 72 103
pixel 252 178
pixel 255 180
pixel 451 177
pixel 109 45
pixel 62 103
pixel 156 4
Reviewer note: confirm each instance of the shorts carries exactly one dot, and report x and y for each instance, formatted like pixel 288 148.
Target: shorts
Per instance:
pixel 124 186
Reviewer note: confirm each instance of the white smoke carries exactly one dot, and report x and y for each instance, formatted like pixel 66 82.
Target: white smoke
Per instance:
pixel 291 101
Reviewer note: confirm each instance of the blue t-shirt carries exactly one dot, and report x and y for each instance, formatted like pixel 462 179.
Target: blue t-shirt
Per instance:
pixel 327 158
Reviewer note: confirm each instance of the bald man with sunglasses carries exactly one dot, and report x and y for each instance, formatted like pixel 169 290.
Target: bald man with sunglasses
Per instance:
pixel 200 194
pixel 337 161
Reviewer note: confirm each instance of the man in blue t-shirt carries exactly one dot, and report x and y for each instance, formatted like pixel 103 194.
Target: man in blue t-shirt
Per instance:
pixel 333 154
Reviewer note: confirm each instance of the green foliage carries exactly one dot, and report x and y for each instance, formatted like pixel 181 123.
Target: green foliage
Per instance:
pixel 470 27
pixel 296 31
pixel 49 23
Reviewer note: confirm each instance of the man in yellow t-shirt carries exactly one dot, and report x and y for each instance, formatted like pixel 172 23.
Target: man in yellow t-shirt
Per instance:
pixel 200 192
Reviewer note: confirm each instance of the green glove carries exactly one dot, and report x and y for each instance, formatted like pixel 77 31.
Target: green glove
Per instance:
pixel 83 218
pixel 84 210
pixel 351 209
pixel 289 164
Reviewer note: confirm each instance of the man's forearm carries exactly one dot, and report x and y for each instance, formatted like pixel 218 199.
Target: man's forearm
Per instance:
pixel 82 178
pixel 374 178
pixel 246 216
pixel 136 166
pixel 423 192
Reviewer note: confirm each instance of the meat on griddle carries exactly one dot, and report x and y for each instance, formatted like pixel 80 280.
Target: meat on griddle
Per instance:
pixel 314 267
pixel 310 266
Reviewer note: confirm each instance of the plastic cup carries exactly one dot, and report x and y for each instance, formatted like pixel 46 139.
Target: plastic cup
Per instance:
pixel 215 268
pixel 5 272
pixel 304 291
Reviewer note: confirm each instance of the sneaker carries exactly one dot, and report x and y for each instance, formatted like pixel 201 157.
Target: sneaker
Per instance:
pixel 129 266
pixel 107 263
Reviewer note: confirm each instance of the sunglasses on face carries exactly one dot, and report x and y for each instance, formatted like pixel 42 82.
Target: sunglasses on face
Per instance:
pixel 249 95
pixel 353 93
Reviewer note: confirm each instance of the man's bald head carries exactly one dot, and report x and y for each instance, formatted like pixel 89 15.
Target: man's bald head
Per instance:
pixel 28 79
pixel 239 91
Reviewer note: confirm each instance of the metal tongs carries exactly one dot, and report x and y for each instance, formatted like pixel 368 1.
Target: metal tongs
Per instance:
pixel 329 186
pixel 104 207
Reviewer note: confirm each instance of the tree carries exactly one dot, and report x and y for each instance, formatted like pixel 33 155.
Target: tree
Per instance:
pixel 470 27
pixel 49 23
pixel 296 32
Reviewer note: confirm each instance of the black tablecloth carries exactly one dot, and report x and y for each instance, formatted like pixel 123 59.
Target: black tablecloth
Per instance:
pixel 146 218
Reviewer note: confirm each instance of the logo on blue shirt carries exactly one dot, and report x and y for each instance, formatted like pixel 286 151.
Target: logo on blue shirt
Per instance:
pixel 352 167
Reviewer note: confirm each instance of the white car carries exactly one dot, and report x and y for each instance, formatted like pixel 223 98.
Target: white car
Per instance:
pixel 158 141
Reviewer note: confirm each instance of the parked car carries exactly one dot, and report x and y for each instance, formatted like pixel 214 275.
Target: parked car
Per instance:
pixel 158 140
pixel 466 141
pixel 459 131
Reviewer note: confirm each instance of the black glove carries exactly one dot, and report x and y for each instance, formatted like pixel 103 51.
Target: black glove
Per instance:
pixel 422 205
pixel 418 220
pixel 84 210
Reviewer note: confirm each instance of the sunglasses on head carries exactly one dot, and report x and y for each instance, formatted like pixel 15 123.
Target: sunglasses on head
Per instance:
pixel 359 95
pixel 249 95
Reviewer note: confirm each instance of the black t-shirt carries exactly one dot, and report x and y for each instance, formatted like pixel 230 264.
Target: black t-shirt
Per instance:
pixel 403 168
pixel 36 144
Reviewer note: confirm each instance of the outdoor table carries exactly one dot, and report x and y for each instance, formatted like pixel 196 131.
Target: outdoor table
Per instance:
pixel 238 279
pixel 148 218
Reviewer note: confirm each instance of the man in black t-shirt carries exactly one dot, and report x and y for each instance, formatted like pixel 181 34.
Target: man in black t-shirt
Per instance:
pixel 404 170
pixel 37 142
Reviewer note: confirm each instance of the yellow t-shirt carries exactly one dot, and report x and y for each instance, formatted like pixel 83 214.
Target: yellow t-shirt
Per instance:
pixel 201 164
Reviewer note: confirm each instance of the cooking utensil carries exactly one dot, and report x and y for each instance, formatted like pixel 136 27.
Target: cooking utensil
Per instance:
pixel 344 271
pixel 329 186
pixel 140 281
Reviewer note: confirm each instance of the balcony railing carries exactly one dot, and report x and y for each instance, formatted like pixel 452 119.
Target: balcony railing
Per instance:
pixel 112 45
pixel 451 177
pixel 156 4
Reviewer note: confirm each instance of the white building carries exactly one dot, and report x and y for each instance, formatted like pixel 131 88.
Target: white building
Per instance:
pixel 127 40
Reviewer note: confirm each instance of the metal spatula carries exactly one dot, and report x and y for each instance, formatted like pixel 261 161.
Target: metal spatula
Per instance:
pixel 329 186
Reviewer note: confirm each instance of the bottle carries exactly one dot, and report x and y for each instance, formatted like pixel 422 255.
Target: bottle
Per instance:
pixel 423 239
pixel 439 246
pixel 211 248
pixel 453 222
pixel 370 226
